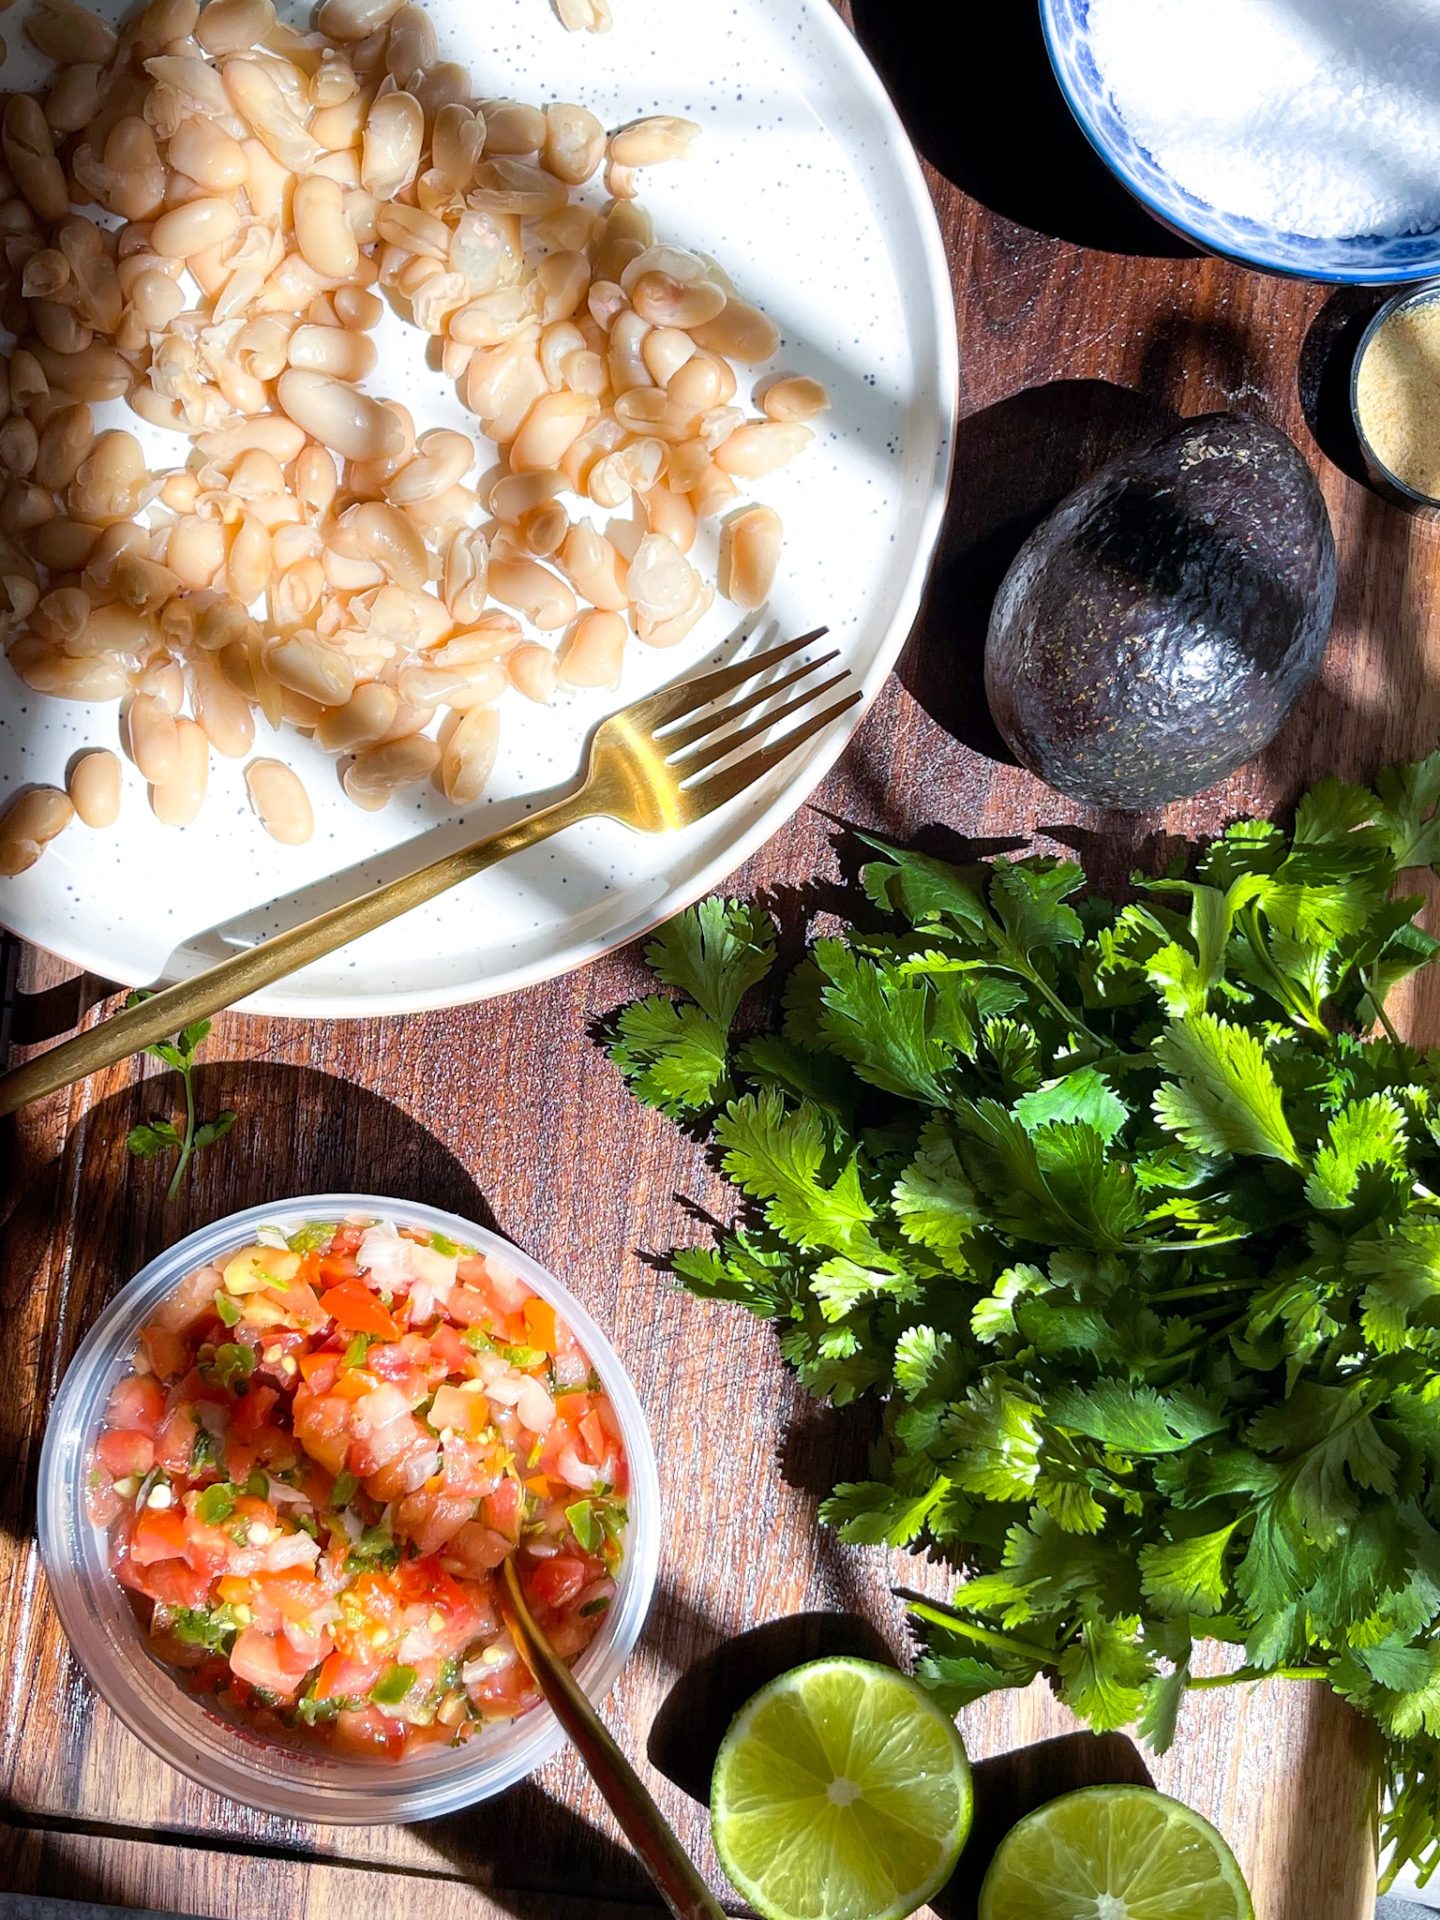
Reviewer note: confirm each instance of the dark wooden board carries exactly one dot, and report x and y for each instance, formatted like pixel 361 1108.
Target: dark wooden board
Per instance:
pixel 1081 327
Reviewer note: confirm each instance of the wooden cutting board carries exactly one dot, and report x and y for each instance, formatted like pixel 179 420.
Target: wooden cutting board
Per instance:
pixel 1080 326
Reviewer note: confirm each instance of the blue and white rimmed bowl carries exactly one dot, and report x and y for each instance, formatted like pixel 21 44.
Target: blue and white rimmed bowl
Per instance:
pixel 1361 260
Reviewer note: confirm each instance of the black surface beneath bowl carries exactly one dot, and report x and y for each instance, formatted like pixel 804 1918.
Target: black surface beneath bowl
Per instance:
pixel 997 126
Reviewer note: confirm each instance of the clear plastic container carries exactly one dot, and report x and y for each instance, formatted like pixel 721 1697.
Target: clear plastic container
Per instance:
pixel 186 1729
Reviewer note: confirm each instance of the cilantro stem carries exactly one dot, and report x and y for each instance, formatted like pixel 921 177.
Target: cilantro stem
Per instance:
pixel 187 1144
pixel 1211 1286
pixel 940 1616
pixel 1383 1019
pixel 1250 919
pixel 1243 1675
pixel 1187 1246
pixel 1073 1022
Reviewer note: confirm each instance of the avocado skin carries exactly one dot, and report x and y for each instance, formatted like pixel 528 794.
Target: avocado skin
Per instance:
pixel 1154 632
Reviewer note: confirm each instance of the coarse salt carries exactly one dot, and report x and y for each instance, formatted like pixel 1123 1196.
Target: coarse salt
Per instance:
pixel 1321 118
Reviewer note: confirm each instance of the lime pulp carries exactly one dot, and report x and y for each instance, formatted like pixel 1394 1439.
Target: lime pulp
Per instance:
pixel 841 1792
pixel 1114 1853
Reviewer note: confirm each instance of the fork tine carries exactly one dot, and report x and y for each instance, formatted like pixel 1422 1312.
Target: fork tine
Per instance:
pixel 686 736
pixel 687 696
pixel 714 750
pixel 730 781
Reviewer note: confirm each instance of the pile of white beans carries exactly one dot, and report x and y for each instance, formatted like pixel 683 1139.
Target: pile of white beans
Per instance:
pixel 254 195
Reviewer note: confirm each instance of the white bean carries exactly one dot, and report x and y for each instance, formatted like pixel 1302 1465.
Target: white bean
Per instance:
pixel 232 26
pixel 280 801
pixel 94 787
pixel 355 19
pixel 533 590
pixel 534 671
pixel 761 447
pixel 320 673
pixel 222 710
pixel 750 555
pixel 367 716
pixel 441 460
pixel 741 332
pixel 324 235
pixel 333 350
pixel 648 142
pixel 193 227
pixel 153 738
pixel 468 747
pixel 593 653
pixel 378 773
pixel 794 398
pixel 595 567
pixel 177 799
pixel 390 148
pixel 350 423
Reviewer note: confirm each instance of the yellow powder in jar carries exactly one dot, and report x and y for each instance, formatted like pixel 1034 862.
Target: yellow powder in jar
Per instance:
pixel 1397 395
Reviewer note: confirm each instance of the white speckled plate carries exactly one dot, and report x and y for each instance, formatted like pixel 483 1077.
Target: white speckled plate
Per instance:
pixel 805 187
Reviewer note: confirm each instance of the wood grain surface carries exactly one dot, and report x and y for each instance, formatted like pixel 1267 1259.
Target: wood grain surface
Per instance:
pixel 1082 327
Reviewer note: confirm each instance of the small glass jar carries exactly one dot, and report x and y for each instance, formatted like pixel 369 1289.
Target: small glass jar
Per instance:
pixel 1386 482
pixel 188 1729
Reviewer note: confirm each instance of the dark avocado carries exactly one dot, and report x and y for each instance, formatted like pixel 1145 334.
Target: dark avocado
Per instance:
pixel 1153 633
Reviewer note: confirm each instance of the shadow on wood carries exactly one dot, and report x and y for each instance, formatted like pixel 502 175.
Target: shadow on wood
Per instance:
pixel 696 1713
pixel 37 1017
pixel 995 123
pixel 1327 359
pixel 299 1131
pixel 1126 844
pixel 1014 1784
pixel 1014 463
pixel 24 1864
pixel 524 1846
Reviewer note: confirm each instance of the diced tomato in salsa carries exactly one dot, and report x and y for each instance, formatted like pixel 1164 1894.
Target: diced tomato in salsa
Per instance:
pixel 319 1459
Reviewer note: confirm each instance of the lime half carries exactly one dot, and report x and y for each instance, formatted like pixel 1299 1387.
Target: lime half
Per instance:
pixel 841 1792
pixel 1114 1853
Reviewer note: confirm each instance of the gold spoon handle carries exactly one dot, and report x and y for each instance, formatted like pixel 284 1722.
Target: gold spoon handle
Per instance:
pixel 641 1821
pixel 166 1012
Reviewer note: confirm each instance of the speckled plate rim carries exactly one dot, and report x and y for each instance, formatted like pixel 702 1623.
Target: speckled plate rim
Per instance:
pixel 926 521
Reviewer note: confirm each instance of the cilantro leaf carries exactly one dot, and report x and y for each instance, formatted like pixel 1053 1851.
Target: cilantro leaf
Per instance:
pixel 934 1203
pixel 1082 1095
pixel 714 952
pixel 1365 1133
pixel 1187 1575
pixel 882 1024
pixel 1029 900
pixel 841 1283
pixel 1224 1097
pixel 674 1056
pixel 1409 797
pixel 924 890
pixel 152 1137
pixel 777 1155
pixel 1103 1674
pixel 871 1514
pixel 1135 1419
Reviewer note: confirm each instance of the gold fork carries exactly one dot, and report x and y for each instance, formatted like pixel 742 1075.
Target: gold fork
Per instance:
pixel 644 769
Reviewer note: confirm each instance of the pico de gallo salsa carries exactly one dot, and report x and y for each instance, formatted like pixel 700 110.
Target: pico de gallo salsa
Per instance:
pixel 327 1443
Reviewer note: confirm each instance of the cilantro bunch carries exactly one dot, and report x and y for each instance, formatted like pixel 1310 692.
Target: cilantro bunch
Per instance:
pixel 1128 1217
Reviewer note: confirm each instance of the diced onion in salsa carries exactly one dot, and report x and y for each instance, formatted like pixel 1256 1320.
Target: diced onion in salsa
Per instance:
pixel 325 1447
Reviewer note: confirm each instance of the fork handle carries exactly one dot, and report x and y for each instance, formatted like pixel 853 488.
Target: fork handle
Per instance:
pixel 674 1873
pixel 244 973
